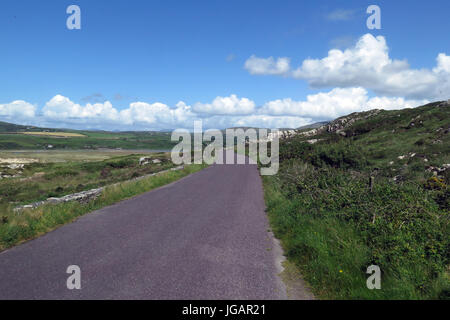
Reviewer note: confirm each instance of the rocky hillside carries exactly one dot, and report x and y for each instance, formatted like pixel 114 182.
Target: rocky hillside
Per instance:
pixel 370 188
pixel 417 138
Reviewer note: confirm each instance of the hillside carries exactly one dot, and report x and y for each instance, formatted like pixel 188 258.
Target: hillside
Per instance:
pixel 18 137
pixel 10 127
pixel 368 188
pixel 400 142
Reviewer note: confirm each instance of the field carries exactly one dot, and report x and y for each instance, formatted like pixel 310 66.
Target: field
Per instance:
pixel 53 134
pixel 60 173
pixel 16 137
pixel 373 191
pixel 67 155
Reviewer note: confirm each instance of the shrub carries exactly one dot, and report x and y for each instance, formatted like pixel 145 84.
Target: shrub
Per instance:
pixel 105 172
pixel 435 183
pixel 399 227
pixel 61 172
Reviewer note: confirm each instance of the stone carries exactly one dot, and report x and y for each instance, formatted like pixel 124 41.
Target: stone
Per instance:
pixel 144 160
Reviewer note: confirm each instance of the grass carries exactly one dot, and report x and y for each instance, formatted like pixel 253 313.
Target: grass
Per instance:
pixel 53 156
pixel 16 228
pixel 16 137
pixel 53 134
pixel 42 180
pixel 332 225
pixel 329 235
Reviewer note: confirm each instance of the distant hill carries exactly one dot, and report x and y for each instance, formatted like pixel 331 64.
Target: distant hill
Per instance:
pixel 313 126
pixel 10 127
pixel 19 137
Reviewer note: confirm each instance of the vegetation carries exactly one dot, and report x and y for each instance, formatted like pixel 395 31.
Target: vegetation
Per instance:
pixel 17 137
pixel 39 181
pixel 54 134
pixel 372 192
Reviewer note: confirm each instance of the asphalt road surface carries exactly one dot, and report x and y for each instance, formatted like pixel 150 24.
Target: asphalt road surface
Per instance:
pixel 202 237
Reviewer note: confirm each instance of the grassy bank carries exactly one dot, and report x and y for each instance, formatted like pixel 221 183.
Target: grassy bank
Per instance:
pixel 334 233
pixel 41 180
pixel 333 223
pixel 29 224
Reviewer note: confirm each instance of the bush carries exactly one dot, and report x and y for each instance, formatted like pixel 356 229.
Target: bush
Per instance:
pixel 61 172
pixel 10 234
pixel 399 227
pixel 4 219
pixel 105 172
pixel 435 183
pixel 121 163
pixel 338 156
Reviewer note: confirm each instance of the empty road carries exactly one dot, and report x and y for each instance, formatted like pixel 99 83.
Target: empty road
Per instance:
pixel 202 237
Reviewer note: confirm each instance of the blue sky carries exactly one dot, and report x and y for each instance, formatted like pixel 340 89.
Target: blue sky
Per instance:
pixel 144 57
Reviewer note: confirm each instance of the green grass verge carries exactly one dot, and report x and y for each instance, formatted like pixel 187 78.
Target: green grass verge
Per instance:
pixel 333 245
pixel 30 224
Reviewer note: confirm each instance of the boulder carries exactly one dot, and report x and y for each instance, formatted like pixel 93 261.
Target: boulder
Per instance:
pixel 144 160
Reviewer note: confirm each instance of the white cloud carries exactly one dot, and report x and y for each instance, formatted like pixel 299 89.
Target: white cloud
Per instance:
pixel 267 121
pixel 222 112
pixel 230 57
pixel 443 64
pixel 340 15
pixel 226 106
pixel 256 120
pixel 157 114
pixel 392 103
pixel 18 109
pixel 343 42
pixel 267 66
pixel 326 105
pixel 60 107
pixel 336 103
pixel 139 113
pixel 368 65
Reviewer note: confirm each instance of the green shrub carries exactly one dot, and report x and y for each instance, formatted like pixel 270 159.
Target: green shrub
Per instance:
pixel 327 218
pixel 61 172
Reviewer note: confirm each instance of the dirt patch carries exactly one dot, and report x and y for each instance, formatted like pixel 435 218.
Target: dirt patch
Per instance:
pixel 55 134
pixel 17 160
pixel 292 281
pixel 297 288
pixel 34 176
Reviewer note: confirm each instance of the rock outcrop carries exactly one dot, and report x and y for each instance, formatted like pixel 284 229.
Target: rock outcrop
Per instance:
pixel 145 160
pixel 337 126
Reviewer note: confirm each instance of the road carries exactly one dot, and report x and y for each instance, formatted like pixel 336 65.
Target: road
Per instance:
pixel 202 237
